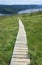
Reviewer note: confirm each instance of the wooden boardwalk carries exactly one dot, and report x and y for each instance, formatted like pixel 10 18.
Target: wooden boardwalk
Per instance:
pixel 20 51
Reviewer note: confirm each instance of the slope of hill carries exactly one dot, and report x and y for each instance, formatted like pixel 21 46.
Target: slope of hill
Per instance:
pixel 13 9
pixel 8 33
pixel 33 27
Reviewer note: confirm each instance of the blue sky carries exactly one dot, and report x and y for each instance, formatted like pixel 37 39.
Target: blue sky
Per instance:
pixel 13 2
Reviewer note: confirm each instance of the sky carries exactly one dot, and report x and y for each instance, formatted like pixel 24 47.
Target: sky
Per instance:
pixel 14 2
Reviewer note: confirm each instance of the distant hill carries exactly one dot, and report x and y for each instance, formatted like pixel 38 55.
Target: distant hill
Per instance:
pixel 13 9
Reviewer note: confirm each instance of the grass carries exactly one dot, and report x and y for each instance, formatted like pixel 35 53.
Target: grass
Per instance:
pixel 33 27
pixel 8 33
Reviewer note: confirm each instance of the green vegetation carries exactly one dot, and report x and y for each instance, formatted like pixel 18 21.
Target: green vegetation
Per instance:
pixel 8 33
pixel 14 9
pixel 33 27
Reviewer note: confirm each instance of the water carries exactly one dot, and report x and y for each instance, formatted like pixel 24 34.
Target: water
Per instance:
pixel 3 14
pixel 29 11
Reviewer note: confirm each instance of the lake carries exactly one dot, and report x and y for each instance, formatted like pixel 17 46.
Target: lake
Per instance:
pixel 29 11
pixel 3 14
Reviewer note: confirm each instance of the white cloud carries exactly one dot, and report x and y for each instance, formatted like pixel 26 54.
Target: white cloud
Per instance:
pixel 20 1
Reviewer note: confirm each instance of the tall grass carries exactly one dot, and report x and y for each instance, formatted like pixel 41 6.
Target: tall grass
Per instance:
pixel 33 27
pixel 8 33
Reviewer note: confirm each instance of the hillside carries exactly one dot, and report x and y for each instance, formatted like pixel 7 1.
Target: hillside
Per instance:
pixel 8 33
pixel 13 9
pixel 33 27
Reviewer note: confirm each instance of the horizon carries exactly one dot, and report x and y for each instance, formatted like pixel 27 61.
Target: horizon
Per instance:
pixel 20 4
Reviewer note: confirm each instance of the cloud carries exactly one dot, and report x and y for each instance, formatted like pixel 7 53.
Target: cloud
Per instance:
pixel 20 1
